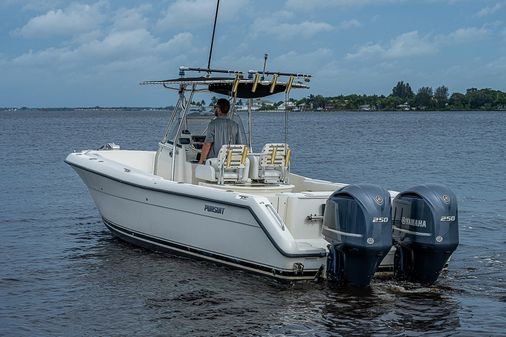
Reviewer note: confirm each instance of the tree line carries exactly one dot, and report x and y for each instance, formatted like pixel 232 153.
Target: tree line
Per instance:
pixel 402 97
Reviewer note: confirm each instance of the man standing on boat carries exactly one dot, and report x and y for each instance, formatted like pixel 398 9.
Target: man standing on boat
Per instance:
pixel 220 131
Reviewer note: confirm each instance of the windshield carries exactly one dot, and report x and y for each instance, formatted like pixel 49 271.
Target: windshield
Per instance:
pixel 195 122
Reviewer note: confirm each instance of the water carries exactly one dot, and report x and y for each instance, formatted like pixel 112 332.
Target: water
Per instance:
pixel 62 274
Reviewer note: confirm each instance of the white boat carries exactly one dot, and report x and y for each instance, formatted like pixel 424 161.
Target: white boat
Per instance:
pixel 245 209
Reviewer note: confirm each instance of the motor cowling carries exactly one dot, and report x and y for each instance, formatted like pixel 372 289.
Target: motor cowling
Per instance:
pixel 425 232
pixel 357 224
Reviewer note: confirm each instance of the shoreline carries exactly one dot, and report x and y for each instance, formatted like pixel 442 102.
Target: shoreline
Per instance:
pixel 109 109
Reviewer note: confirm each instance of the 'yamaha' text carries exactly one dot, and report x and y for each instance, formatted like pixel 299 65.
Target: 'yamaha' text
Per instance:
pixel 414 222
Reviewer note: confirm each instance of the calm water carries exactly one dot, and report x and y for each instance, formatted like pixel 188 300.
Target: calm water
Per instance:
pixel 62 274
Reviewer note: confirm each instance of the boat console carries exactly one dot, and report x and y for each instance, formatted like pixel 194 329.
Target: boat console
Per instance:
pixel 197 141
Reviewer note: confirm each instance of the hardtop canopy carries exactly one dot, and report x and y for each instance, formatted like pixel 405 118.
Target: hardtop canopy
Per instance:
pixel 255 86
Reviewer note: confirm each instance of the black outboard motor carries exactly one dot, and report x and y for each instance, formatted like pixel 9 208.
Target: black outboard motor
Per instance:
pixel 358 225
pixel 426 233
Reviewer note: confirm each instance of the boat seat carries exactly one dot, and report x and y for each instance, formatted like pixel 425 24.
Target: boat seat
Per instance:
pixel 271 165
pixel 231 165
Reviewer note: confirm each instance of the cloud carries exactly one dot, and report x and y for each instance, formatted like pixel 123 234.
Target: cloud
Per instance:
pixel 302 62
pixel 76 18
pixel 450 2
pixel 468 34
pixel 126 19
pixel 498 66
pixel 100 39
pixel 43 58
pixel 349 24
pixel 304 5
pixel 194 13
pixel 292 61
pixel 367 51
pixel 462 35
pixel 489 10
pixel 409 44
pixel 284 31
pixel 118 48
pixel 181 41
pixel 120 44
pixel 111 44
pixel 33 5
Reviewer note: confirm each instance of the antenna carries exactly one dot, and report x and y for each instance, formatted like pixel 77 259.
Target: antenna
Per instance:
pixel 212 38
pixel 265 64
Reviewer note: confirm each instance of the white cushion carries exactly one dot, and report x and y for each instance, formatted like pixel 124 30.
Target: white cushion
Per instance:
pixel 205 172
pixel 211 171
pixel 271 163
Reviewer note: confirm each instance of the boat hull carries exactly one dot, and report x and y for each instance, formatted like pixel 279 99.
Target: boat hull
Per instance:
pixel 219 226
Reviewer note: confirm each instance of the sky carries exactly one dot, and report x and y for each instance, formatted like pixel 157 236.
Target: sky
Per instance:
pixel 57 53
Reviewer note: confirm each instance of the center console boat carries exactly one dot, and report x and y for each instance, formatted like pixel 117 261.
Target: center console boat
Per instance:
pixel 247 210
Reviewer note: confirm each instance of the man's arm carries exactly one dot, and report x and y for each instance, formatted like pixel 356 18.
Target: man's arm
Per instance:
pixel 205 151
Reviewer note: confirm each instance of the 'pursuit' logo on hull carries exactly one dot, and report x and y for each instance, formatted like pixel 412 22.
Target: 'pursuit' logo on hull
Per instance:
pixel 214 209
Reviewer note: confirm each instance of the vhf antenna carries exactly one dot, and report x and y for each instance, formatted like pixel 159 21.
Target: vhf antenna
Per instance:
pixel 265 64
pixel 212 38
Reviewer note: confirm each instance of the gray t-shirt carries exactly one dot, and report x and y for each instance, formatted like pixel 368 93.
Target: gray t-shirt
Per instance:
pixel 222 131
pixel 236 118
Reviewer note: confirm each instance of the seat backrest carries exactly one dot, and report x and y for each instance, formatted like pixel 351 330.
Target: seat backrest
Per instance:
pixel 232 156
pixel 274 161
pixel 275 155
pixel 232 163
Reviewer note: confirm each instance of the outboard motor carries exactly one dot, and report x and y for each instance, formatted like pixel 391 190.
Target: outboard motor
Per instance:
pixel 425 223
pixel 358 226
